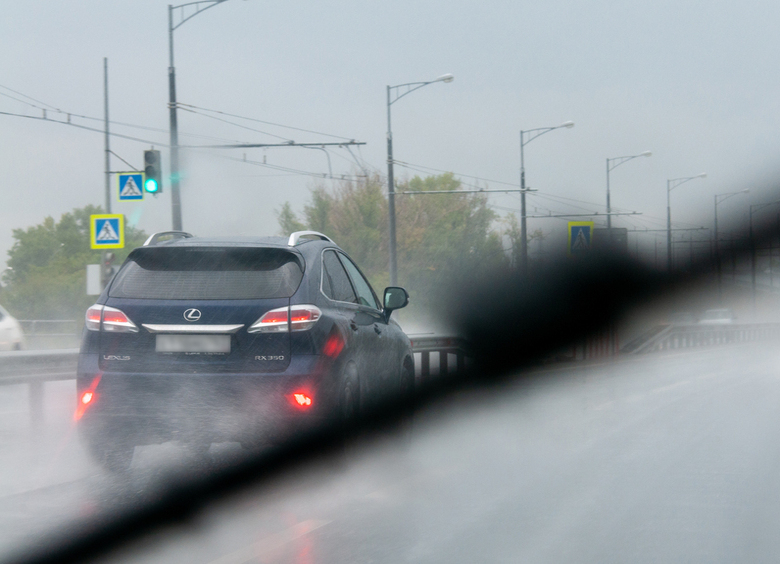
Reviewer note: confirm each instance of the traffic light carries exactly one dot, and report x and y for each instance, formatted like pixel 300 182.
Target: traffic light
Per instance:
pixel 108 270
pixel 153 170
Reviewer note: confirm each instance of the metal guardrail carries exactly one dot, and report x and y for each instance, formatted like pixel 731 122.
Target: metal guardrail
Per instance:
pixel 444 346
pixel 34 368
pixel 50 333
pixel 666 337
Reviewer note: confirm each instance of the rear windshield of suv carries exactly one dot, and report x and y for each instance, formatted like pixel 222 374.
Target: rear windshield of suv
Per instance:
pixel 211 273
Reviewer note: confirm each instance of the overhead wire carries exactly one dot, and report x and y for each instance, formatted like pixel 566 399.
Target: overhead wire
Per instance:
pixel 79 126
pixel 287 139
pixel 183 106
pixel 92 118
pixel 38 104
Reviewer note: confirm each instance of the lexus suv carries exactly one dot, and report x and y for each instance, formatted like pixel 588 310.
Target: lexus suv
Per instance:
pixel 210 340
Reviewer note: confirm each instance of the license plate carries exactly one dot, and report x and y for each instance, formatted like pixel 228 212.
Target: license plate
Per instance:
pixel 214 344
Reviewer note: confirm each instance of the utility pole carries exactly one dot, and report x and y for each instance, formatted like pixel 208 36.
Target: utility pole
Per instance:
pixel 718 199
pixel 107 136
pixel 397 91
pixel 691 251
pixel 618 161
pixel 523 213
pixel 754 208
pixel 609 207
pixel 655 257
pixel 532 134
pixel 194 8
pixel 174 126
pixel 717 253
pixel 671 184
pixel 104 254
pixel 393 267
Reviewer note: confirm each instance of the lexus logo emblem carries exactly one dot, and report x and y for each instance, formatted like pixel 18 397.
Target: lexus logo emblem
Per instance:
pixel 192 314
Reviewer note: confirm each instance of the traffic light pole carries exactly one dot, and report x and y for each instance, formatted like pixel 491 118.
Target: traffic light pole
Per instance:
pixel 107 145
pixel 104 257
pixel 194 8
pixel 174 126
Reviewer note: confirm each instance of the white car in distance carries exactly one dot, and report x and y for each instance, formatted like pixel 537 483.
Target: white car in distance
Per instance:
pixel 717 317
pixel 11 336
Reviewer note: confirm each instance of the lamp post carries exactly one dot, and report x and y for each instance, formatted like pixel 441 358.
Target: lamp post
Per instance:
pixel 671 185
pixel 196 8
pixel 720 198
pixel 619 161
pixel 755 207
pixel 394 94
pixel 532 134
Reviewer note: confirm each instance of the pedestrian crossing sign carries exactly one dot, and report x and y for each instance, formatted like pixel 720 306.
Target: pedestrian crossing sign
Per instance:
pixel 107 231
pixel 580 238
pixel 131 186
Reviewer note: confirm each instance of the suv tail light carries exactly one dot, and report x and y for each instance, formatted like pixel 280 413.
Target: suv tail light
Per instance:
pixel 92 320
pixel 114 320
pixel 280 320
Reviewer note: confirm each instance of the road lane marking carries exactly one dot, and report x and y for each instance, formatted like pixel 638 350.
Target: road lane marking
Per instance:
pixel 258 550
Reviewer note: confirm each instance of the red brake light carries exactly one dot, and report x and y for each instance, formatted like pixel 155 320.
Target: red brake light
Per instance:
pixel 113 320
pixel 86 398
pixel 116 321
pixel 303 315
pixel 302 399
pixel 301 318
pixel 115 317
pixel 275 316
pixel 334 345
pixel 92 320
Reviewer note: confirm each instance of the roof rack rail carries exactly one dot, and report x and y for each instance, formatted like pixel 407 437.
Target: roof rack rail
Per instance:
pixel 155 237
pixel 298 235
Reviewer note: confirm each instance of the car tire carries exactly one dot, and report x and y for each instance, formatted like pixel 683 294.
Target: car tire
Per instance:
pixel 348 403
pixel 406 403
pixel 345 418
pixel 406 384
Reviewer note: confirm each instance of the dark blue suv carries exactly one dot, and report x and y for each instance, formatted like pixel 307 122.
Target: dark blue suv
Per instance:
pixel 210 340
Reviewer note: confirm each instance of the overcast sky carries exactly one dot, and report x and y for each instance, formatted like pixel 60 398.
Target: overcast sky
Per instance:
pixel 694 82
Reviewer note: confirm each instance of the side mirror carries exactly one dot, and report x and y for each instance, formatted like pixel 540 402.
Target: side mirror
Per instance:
pixel 395 298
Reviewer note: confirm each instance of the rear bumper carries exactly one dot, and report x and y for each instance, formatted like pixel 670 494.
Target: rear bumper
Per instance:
pixel 151 408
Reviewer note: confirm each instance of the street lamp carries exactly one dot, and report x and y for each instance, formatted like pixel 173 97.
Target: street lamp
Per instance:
pixel 196 8
pixel 532 134
pixel 393 95
pixel 620 161
pixel 720 198
pixel 756 207
pixel 671 185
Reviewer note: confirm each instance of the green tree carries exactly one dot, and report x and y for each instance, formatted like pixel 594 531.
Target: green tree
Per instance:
pixel 512 234
pixel 441 239
pixel 46 278
pixel 287 220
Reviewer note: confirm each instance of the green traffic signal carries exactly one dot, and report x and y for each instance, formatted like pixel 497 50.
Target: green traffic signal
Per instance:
pixel 151 185
pixel 153 171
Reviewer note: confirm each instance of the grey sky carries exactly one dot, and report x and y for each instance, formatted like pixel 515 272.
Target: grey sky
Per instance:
pixel 694 82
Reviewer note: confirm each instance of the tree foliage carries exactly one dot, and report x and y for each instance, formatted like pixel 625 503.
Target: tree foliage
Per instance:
pixel 46 275
pixel 441 239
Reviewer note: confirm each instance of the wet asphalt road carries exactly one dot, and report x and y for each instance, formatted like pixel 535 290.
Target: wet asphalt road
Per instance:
pixel 670 457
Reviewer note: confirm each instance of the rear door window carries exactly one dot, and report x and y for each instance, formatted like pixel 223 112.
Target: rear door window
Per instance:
pixel 335 282
pixel 366 295
pixel 208 273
